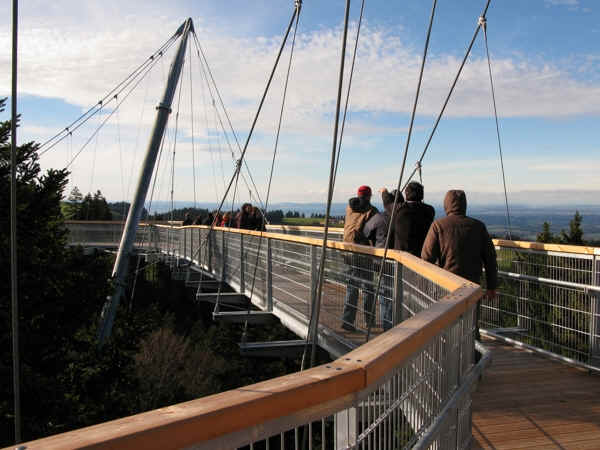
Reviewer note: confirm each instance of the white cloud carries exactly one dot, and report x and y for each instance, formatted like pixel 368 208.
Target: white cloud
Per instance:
pixel 81 56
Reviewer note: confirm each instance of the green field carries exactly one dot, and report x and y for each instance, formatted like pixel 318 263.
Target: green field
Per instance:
pixel 309 221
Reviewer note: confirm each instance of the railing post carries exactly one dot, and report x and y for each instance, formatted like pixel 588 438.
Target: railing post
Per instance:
pixel 209 238
pixel 184 243
pixel 242 275
pixel 313 277
pixel 269 276
pixel 398 294
pixel 346 426
pixel 223 257
pixel 191 244
pixel 594 357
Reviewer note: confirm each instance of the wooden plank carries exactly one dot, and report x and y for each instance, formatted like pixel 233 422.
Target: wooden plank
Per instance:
pixel 536 403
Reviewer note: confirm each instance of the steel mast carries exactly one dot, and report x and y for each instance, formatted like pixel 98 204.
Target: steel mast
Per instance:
pixel 120 268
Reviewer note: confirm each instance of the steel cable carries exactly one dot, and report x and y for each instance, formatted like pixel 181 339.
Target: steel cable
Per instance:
pixel 400 188
pixel 362 7
pixel 314 318
pixel 200 51
pixel 285 87
pixel 81 120
pixel 256 116
pixel 406 147
pixel 487 51
pixel 107 118
pixel 467 53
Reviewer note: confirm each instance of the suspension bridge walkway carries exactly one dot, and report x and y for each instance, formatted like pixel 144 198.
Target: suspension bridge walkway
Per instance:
pixel 425 383
pixel 417 385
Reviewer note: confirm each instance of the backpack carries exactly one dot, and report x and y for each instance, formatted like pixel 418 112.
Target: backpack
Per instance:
pixel 354 224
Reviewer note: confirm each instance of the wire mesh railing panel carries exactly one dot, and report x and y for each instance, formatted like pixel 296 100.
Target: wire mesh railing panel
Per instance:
pixel 568 267
pixel 396 412
pixel 348 299
pixel 291 274
pixel 234 258
pixel 335 234
pixel 255 265
pixel 418 292
pixel 553 318
pixel 549 301
pixel 94 233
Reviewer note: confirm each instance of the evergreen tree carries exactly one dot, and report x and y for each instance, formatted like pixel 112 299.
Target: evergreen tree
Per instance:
pixel 575 234
pixel 73 204
pixel 546 235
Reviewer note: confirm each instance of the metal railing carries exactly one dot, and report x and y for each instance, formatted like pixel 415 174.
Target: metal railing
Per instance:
pixel 549 296
pixel 350 277
pixel 405 388
pixel 548 300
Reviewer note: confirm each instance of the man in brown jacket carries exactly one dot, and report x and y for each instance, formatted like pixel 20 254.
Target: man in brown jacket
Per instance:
pixel 461 244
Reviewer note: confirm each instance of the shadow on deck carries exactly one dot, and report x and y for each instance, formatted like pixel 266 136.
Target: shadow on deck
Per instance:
pixel 526 401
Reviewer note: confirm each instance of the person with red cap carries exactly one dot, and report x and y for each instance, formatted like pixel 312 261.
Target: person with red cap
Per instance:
pixel 358 212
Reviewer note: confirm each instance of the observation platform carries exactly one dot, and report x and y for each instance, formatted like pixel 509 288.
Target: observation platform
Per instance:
pixel 414 386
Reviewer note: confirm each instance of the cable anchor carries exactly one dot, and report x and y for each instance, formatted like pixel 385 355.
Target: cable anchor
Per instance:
pixel 482 22
pixel 419 167
pixel 297 4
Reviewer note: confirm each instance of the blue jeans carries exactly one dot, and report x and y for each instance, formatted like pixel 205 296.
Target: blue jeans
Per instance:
pixel 386 311
pixel 386 304
pixel 362 279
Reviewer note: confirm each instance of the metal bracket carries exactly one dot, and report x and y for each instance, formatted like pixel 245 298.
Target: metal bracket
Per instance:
pixel 162 106
pixel 482 22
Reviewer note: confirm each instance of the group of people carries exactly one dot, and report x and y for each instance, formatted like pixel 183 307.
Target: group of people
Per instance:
pixel 248 217
pixel 457 243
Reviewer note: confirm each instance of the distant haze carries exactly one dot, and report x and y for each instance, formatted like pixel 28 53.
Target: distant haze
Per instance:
pixel 522 200
pixel 528 198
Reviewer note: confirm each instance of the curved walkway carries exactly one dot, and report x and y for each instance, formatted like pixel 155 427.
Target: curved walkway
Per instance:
pixel 526 401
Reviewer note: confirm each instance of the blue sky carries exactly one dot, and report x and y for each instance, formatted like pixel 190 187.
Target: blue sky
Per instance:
pixel 545 58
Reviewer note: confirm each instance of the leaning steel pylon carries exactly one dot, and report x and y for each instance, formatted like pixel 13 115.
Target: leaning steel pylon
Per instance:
pixel 119 274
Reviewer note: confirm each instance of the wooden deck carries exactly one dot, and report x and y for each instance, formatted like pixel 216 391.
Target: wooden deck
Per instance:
pixel 526 401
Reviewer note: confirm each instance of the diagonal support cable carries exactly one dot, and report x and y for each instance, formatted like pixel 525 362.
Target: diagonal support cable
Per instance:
pixel 396 197
pixel 483 23
pixel 312 335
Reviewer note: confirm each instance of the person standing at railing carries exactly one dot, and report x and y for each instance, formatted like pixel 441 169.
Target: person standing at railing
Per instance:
pixel 227 220
pixel 412 220
pixel 187 220
pixel 358 272
pixel 462 245
pixel 209 219
pixel 376 229
pixel 257 220
pixel 243 218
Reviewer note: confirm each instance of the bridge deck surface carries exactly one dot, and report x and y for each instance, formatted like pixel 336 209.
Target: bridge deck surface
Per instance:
pixel 526 401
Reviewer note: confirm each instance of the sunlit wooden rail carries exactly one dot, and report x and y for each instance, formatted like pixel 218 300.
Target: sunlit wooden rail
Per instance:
pixel 409 386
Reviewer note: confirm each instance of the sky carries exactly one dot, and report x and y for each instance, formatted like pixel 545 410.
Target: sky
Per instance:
pixel 545 60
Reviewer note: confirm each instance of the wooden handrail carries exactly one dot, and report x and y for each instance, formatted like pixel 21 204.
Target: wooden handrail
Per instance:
pixel 200 420
pixel 562 248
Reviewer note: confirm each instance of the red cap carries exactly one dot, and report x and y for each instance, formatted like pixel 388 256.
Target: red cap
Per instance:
pixel 364 191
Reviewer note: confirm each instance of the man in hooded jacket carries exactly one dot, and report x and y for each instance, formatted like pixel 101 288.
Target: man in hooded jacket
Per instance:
pixel 461 245
pixel 412 220
pixel 358 213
